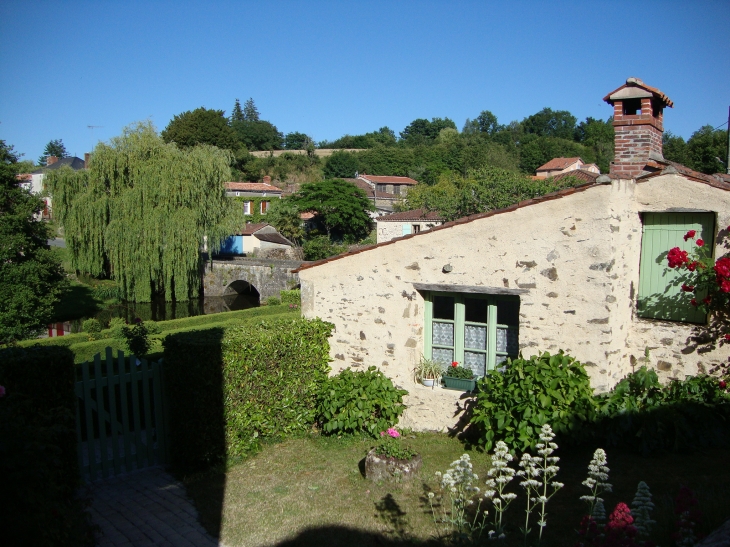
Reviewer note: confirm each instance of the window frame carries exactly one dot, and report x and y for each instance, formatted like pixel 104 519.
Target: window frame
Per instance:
pixel 247 207
pixel 460 322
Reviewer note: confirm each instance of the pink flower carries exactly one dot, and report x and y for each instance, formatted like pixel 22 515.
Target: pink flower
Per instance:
pixel 2 391
pixel 690 234
pixel 393 433
pixel 700 242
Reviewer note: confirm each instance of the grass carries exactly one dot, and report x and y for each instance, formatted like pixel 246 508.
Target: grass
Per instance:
pixel 311 491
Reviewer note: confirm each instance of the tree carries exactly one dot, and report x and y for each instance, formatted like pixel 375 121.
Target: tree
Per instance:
pixel 200 126
pixel 704 148
pixel 341 207
pixel 599 136
pixel 550 123
pixel 31 276
pixel 296 141
pixel 674 148
pixel 250 112
pixel 283 214
pixel 341 164
pixel 487 123
pixel 481 190
pixel 141 211
pixel 536 151
pixel 53 148
pixel 422 131
pixel 258 135
pixel 237 112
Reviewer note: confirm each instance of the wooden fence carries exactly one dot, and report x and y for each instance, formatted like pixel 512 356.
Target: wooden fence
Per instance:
pixel 120 423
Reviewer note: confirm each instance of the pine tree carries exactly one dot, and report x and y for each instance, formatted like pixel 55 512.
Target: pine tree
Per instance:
pixel 237 114
pixel 53 148
pixel 250 112
pixel 141 211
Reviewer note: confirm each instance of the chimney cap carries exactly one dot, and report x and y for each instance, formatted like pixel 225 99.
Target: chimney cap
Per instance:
pixel 635 88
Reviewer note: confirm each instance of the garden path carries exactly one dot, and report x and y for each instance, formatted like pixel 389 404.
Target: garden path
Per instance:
pixel 143 509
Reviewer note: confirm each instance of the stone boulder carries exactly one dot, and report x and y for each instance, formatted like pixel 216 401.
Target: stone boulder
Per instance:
pixel 382 468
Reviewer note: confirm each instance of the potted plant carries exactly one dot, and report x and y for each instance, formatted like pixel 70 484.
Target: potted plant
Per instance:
pixel 391 459
pixel 428 372
pixel 459 378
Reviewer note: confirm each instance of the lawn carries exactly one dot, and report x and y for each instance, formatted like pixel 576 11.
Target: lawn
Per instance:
pixel 311 491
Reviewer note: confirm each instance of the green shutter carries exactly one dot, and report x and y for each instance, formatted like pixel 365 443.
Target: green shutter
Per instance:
pixel 660 294
pixel 406 229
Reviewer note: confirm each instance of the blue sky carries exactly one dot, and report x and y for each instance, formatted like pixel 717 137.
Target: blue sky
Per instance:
pixel 331 68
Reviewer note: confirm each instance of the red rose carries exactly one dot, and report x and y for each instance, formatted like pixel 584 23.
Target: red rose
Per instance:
pixel 707 300
pixel 692 266
pixel 690 234
pixel 687 288
pixel 724 285
pixel 677 257
pixel 693 302
pixel 727 337
pixel 723 385
pixel 454 364
pixel 722 267
pixel 700 242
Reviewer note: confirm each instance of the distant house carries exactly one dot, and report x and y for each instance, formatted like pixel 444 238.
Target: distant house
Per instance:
pixel 557 166
pixel 406 223
pixel 33 181
pixel 391 185
pixel 256 196
pixel 383 201
pixel 255 239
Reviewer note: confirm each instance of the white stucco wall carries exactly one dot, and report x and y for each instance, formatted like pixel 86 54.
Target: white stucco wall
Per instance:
pixel 387 230
pixel 578 258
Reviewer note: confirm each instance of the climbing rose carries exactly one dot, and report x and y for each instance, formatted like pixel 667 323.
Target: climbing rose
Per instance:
pixel 687 288
pixel 690 234
pixel 693 302
pixel 692 266
pixel 724 285
pixel 707 300
pixel 727 337
pixel 677 257
pixel 700 242
pixel 722 267
pixel 723 385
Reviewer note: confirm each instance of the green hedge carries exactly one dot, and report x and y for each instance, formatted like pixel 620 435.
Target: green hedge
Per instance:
pixel 38 461
pixel 229 388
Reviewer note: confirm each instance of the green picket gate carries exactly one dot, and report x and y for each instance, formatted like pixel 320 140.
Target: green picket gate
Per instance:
pixel 120 421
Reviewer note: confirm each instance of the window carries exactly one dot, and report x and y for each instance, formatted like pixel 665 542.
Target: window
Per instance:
pixel 659 295
pixel 246 207
pixel 406 229
pixel 264 207
pixel 479 331
pixel 416 228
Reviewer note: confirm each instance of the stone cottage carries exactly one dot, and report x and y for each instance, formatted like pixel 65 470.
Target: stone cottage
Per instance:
pixel 582 270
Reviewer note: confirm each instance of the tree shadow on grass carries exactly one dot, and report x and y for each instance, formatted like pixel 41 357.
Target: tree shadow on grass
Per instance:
pixel 77 301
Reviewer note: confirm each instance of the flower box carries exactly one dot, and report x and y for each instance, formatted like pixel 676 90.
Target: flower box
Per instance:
pixel 459 384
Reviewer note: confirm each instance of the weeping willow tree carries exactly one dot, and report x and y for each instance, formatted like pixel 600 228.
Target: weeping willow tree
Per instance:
pixel 141 211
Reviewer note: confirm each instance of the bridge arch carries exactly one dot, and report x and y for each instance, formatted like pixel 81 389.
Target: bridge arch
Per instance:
pixel 241 286
pixel 248 276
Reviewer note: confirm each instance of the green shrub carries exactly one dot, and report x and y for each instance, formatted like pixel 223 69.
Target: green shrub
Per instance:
pixel 137 338
pixel 92 326
pixel 153 327
pixel 116 327
pixel 229 388
pixel 38 461
pixel 360 402
pixel 291 297
pixel 273 301
pixel 320 247
pixel 642 414
pixel 513 405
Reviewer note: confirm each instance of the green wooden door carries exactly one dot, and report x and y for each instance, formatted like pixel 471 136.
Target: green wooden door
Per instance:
pixel 660 294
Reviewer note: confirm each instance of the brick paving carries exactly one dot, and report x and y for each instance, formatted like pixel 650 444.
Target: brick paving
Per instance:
pixel 144 509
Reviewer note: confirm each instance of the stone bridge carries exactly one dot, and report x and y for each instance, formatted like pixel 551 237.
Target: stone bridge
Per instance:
pixel 267 277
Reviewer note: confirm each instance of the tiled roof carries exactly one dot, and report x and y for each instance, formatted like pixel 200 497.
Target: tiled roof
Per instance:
pixel 371 193
pixel 387 179
pixel 252 187
pixel 580 174
pixel 414 214
pixel 24 176
pixel 251 228
pixel 306 215
pixel 636 82
pixel 700 177
pixel 73 162
pixel 273 237
pixel 559 163
pixel 718 180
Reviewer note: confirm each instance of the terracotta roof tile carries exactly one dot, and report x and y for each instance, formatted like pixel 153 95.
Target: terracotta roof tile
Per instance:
pixel 250 229
pixel 252 187
pixel 370 191
pixel 636 82
pixel 580 174
pixel 414 214
pixel 559 163
pixel 388 179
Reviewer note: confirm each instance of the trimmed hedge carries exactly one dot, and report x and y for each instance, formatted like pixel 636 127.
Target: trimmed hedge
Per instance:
pixel 229 388
pixel 38 461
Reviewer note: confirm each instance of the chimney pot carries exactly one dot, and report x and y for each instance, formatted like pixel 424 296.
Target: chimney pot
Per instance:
pixel 87 157
pixel 267 179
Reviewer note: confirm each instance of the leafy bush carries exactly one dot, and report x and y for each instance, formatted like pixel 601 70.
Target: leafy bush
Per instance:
pixel 273 301
pixel 38 461
pixel 92 326
pixel 137 338
pixel 320 247
pixel 360 402
pixel 153 327
pixel 230 388
pixel 116 326
pixel 513 405
pixel 291 297
pixel 642 414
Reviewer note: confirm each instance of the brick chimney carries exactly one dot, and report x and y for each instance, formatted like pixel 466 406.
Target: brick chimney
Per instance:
pixel 267 179
pixel 87 157
pixel 638 122
pixel 50 160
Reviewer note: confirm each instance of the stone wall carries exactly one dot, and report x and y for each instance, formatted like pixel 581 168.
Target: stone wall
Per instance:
pixel 391 230
pixel 578 258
